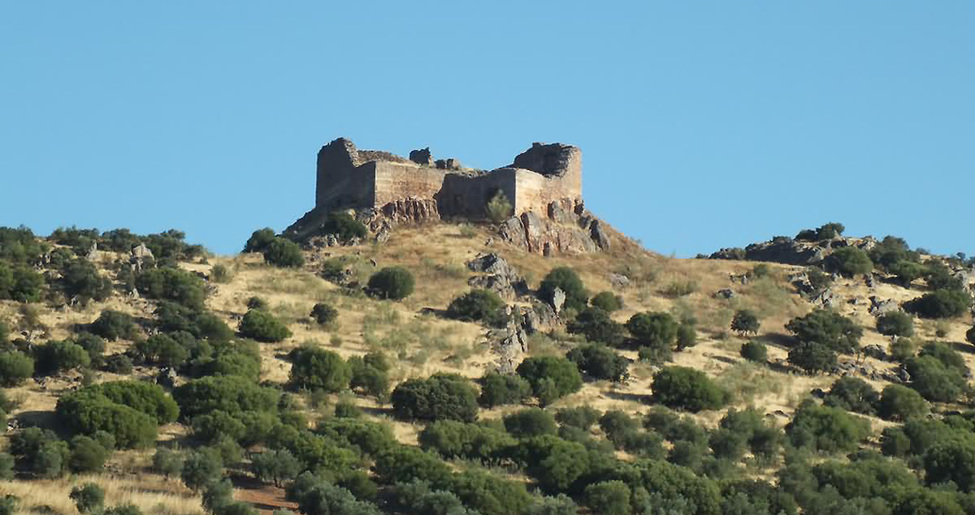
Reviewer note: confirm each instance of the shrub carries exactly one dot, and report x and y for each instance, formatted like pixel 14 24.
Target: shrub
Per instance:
pixel 607 301
pixel 567 280
pixel 257 303
pixel 231 394
pixel 172 284
pixel 201 469
pixel 500 389
pixel 477 306
pixel 20 283
pixel 172 317
pixel 530 422
pixel 259 240
pixel 554 463
pixel 453 439
pixel 119 364
pixel 275 466
pixel 93 345
pixel 812 357
pixel 686 388
pixel 87 455
pixel 394 283
pixel 56 356
pixel 657 330
pixel 755 351
pixel 853 394
pixel 324 314
pixel 597 326
pixel 88 498
pixel 489 494
pixel 849 261
pixel 900 403
pixel 370 374
pixel 581 417
pixel 826 429
pixel 608 498
pixel 283 253
pixel 80 279
pixel 166 462
pixel 498 209
pixel 686 336
pixel 895 323
pixel 599 362
pixel 940 277
pixel 123 509
pixel 906 272
pixel 745 322
pixel 344 226
pixel 316 368
pixel 113 325
pixel 221 274
pixel 951 460
pixel 263 327
pixel 439 397
pixel 934 380
pixel 165 350
pixel 15 367
pixel 39 451
pixel 551 377
pixel 86 412
pixel 940 304
pixel 829 328
pixel 970 335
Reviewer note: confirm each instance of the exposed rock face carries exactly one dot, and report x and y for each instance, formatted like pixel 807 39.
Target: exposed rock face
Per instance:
pixel 140 256
pixel 499 276
pixel 422 157
pixel 787 251
pixel 568 228
pixel 411 211
pixel 879 306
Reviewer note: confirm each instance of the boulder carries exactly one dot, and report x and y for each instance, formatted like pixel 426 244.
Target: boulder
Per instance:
pixel 726 293
pixel 599 235
pixel 619 281
pixel 499 276
pixel 558 300
pixel 879 307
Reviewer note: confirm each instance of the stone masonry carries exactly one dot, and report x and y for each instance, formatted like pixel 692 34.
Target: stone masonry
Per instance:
pixel 364 179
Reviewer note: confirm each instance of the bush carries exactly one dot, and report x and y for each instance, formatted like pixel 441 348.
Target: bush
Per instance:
pixel 500 389
pixel 597 326
pixel 825 232
pixel 221 274
pixel 498 209
pixel 394 283
pixel 20 283
pixel 319 369
pixel 608 498
pixel 324 314
pixel 201 469
pixel 477 306
pixel 166 462
pixel 951 460
pixel 275 466
pixel 87 455
pixel 283 253
pixel 344 226
pixel 88 498
pixel 261 325
pixel 686 388
pixel 530 422
pixel 934 380
pixel 93 345
pixel 686 335
pixel 567 280
pixel 828 328
pixel 812 357
pixel 113 325
pixel 163 349
pixel 581 417
pixel 370 374
pixel 745 322
pixel 554 463
pixel 123 509
pixel 940 304
pixel 172 284
pixel 439 397
pixel 826 429
pixel 906 272
pixel 15 367
pixel 853 394
pixel 80 280
pixel 607 301
pixel 599 362
pixel 119 364
pixel 895 323
pixel 901 403
pixel 231 394
pixel 657 330
pixel 57 356
pixel 259 240
pixel 754 351
pixel 88 412
pixel 551 377
pixel 40 452
pixel 849 261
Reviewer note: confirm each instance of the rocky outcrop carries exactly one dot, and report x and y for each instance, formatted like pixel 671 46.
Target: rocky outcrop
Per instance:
pixel 497 275
pixel 788 251
pixel 410 211
pixel 566 228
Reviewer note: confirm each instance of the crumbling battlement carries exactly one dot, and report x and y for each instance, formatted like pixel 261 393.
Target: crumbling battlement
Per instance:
pixel 365 179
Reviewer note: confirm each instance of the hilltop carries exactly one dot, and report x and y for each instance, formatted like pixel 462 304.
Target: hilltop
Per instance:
pixel 388 357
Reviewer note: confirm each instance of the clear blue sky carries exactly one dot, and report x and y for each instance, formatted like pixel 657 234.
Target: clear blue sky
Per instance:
pixel 702 124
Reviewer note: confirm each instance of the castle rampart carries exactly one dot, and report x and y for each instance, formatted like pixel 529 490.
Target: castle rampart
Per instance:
pixel 351 178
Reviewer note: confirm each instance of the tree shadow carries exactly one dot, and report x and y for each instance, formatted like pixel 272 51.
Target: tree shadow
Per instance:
pixel 780 340
pixel 633 397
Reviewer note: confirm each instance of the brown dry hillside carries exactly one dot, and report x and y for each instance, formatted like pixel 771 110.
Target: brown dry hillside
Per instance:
pixel 420 342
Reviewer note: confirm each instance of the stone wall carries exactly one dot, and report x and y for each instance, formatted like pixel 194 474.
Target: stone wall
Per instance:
pixel 395 181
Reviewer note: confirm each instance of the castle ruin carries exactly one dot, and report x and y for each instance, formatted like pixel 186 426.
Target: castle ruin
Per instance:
pixel 543 185
pixel 367 179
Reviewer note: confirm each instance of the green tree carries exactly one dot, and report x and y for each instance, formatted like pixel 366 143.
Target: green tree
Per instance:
pixel 745 322
pixel 686 388
pixel 174 285
pixel 275 466
pixel 259 240
pixel 80 280
pixel 597 326
pixel 567 280
pixel 476 306
pixel 754 351
pixel 656 330
pixel 395 283
pixel 87 455
pixel 853 394
pixel 608 498
pixel 599 361
pixel 201 469
pixel 439 397
pixel 829 328
pixel 530 422
pixel 951 460
pixel 500 389
pixel 263 327
pixel 895 323
pixel 316 368
pixel 607 301
pixel 498 209
pixel 88 498
pixel 283 253
pixel 813 357
pixel 551 377
pixel 849 261
pixel 167 462
pixel 344 226
pixel 15 367
pixel 826 429
pixel 324 314
pixel 943 303
pixel 57 356
pixel 901 403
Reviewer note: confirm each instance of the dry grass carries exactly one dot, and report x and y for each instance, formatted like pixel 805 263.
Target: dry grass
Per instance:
pixel 152 494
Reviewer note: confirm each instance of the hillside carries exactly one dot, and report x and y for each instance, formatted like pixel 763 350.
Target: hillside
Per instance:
pixel 760 436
